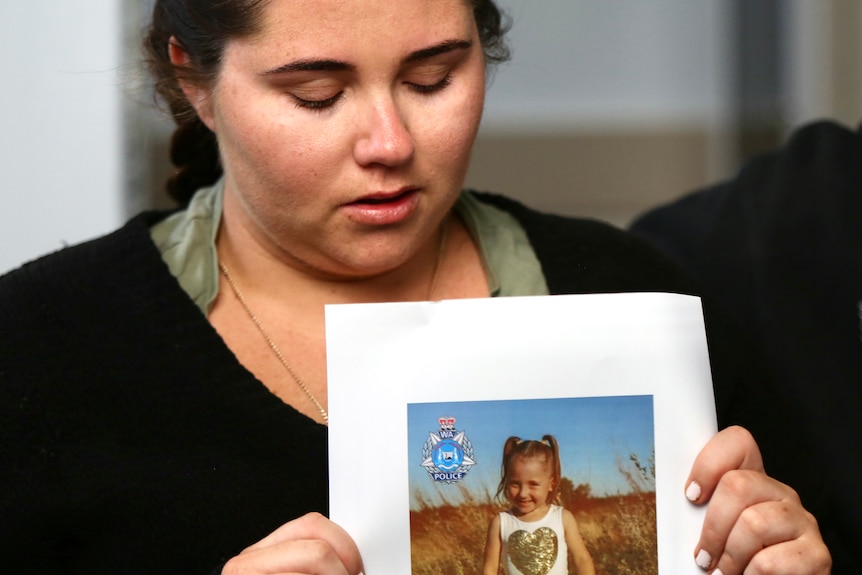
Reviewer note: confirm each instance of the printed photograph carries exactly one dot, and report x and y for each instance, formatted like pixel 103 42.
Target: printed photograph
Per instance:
pixel 533 487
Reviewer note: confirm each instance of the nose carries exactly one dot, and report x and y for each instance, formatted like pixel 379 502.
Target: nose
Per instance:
pixel 384 137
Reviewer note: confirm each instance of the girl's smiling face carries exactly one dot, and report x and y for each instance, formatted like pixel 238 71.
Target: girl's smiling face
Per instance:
pixel 345 128
pixel 529 486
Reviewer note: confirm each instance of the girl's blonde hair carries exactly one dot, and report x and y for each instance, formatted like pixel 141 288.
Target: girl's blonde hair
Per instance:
pixel 547 449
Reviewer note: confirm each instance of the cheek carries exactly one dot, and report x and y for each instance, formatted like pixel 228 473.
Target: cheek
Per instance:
pixel 451 141
pixel 266 135
pixel 454 124
pixel 283 152
pixel 464 123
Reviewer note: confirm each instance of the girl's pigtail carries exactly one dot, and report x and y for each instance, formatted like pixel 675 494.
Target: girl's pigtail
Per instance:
pixel 508 448
pixel 556 467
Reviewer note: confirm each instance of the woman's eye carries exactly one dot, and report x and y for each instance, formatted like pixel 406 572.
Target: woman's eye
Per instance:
pixel 430 88
pixel 316 104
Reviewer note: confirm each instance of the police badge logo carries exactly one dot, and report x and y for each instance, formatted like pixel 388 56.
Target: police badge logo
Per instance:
pixel 447 454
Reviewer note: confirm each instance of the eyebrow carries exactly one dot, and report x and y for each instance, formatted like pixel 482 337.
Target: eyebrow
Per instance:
pixel 339 66
pixel 310 66
pixel 441 48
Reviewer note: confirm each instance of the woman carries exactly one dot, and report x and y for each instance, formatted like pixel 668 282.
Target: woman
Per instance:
pixel 161 421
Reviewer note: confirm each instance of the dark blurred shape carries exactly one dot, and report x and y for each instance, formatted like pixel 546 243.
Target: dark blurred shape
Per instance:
pixel 780 246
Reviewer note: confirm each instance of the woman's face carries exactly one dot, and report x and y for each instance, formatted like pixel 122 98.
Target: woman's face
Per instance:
pixel 345 128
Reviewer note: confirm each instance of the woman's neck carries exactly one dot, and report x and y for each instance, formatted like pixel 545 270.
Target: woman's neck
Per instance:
pixel 446 266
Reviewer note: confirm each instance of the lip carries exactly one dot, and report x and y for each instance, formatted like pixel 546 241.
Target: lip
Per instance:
pixel 384 207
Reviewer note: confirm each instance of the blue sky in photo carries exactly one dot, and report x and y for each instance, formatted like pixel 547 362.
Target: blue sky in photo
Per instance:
pixel 594 434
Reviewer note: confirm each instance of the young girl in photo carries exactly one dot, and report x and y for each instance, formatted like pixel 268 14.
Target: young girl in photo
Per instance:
pixel 535 535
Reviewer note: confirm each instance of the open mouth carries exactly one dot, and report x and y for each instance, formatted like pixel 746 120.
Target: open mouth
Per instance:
pixel 380 199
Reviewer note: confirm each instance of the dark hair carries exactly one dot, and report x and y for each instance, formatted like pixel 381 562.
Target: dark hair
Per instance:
pixel 547 449
pixel 202 28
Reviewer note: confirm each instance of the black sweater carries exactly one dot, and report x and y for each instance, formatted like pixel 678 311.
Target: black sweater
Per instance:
pixel 780 246
pixel 132 440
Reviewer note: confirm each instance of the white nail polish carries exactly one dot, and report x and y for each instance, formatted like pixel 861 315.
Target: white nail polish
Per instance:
pixel 703 559
pixel 693 491
pixel 717 572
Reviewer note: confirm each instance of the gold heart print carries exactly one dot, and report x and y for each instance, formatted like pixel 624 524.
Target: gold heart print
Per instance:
pixel 533 553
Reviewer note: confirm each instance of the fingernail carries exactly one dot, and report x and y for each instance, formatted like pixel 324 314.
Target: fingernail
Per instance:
pixel 717 572
pixel 703 559
pixel 693 491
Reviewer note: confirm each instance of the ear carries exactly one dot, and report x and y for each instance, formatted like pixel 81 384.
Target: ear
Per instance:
pixel 198 97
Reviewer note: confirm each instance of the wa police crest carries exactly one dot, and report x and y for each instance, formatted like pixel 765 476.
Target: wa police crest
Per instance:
pixel 447 454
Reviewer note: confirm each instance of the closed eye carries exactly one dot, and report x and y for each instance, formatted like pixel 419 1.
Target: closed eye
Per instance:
pixel 431 88
pixel 317 104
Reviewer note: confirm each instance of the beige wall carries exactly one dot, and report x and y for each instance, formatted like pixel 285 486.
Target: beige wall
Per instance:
pixel 846 56
pixel 611 176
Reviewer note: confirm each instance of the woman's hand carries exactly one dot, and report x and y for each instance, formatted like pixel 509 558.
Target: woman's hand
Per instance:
pixel 312 545
pixel 753 524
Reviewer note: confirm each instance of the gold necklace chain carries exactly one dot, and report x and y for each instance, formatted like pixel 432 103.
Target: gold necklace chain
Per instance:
pixel 224 271
pixel 441 247
pixel 271 343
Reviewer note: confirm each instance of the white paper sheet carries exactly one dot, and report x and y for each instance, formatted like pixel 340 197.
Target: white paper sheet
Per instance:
pixel 391 364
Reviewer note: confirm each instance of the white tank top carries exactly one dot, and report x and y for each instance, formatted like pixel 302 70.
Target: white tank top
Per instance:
pixel 535 547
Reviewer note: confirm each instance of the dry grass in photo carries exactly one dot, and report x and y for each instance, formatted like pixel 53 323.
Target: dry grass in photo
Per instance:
pixel 619 530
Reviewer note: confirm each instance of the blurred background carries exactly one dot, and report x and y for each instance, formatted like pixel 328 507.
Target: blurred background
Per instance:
pixel 607 108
